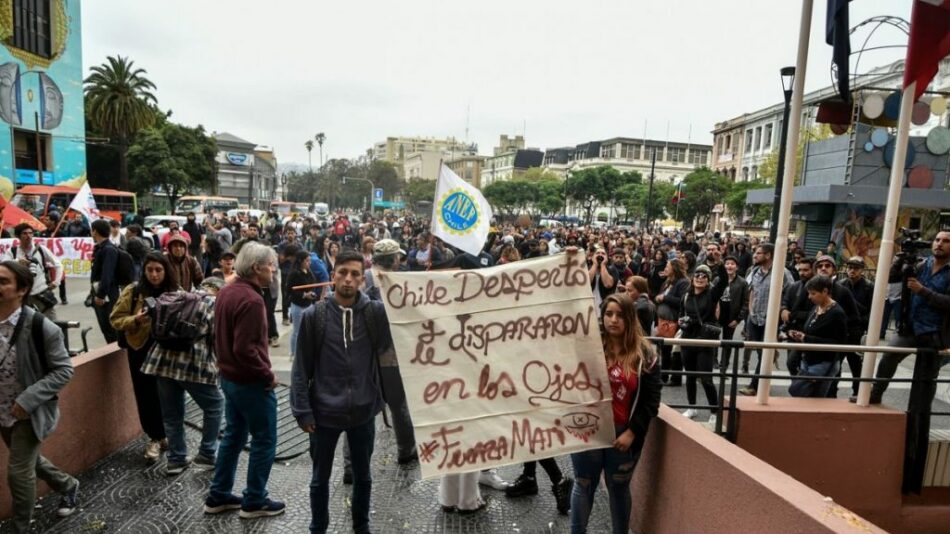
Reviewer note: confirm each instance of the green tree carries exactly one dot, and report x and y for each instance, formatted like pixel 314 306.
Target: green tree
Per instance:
pixel 417 191
pixel 736 202
pixel 768 169
pixel 704 189
pixel 550 196
pixel 537 174
pixel 501 195
pixel 309 146
pixel 593 186
pixel 120 101
pixel 177 159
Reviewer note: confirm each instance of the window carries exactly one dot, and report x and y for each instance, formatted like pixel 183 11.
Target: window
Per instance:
pixel 25 150
pixel 648 152
pixel 698 157
pixel 728 142
pixel 629 151
pixel 758 138
pixel 748 140
pixel 755 172
pixel 31 26
pixel 609 151
pixel 675 155
pixel 767 137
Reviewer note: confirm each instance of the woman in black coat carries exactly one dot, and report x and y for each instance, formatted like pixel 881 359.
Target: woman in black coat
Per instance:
pixel 669 300
pixel 700 308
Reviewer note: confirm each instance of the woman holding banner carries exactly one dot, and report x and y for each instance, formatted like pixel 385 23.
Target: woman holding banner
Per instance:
pixel 635 386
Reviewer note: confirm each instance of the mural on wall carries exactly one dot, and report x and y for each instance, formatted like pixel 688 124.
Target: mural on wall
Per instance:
pixel 44 93
pixel 857 232
pixel 858 229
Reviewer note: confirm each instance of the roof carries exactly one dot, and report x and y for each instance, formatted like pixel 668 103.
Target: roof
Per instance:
pixel 225 137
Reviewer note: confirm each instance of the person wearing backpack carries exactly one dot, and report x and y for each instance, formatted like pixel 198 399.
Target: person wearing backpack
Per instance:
pixel 131 319
pixel 188 365
pixel 336 386
pixel 34 368
pixel 105 287
pixel 46 269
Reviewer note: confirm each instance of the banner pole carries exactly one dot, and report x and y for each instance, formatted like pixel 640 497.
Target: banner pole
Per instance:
pixel 785 206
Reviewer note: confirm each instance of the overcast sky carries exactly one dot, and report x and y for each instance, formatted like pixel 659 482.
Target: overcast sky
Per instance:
pixel 276 73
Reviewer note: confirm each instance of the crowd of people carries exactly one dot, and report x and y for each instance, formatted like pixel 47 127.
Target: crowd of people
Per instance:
pixel 196 310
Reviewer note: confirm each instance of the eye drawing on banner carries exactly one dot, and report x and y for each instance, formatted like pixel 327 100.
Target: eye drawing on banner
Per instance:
pixel 581 425
pixel 458 212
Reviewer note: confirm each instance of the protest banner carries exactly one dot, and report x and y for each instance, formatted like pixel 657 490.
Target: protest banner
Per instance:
pixel 74 252
pixel 500 365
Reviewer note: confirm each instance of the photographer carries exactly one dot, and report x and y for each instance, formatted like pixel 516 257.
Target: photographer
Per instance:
pixel 699 319
pixel 45 267
pixel 606 276
pixel 927 325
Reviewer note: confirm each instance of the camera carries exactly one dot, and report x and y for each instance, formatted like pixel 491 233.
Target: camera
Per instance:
pixel 783 332
pixel 911 245
pixel 684 322
pixel 150 304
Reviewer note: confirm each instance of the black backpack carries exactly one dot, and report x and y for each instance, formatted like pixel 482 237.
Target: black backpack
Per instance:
pixel 124 268
pixel 177 320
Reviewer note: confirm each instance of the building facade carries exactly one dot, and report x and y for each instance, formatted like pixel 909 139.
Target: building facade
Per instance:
pixel 741 144
pixel 246 171
pixel 41 94
pixel 468 168
pixel 509 165
pixel 397 149
pixel 673 160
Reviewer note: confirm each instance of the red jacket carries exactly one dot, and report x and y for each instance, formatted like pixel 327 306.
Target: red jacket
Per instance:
pixel 240 334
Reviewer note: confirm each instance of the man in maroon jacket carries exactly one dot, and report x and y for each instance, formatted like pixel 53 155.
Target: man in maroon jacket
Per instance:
pixel 240 332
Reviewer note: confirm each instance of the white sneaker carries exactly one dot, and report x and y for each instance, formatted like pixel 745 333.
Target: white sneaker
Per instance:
pixel 690 413
pixel 153 450
pixel 491 479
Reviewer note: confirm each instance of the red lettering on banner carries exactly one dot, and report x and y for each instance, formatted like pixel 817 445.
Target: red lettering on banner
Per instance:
pixel 545 385
pixel 84 247
pixel 489 390
pixel 523 434
pixel 442 389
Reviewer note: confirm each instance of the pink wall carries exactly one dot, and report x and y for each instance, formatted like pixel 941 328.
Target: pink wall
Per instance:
pixel 97 417
pixel 690 480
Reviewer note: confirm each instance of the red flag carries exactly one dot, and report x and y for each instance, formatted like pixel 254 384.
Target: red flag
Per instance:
pixel 929 42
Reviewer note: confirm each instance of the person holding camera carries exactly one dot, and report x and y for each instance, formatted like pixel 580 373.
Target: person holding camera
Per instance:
pixel 606 276
pixel 45 267
pixel 699 319
pixel 132 322
pixel 927 325
pixel 826 324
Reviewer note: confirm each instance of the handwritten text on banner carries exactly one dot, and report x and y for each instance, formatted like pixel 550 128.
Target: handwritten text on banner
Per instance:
pixel 500 365
pixel 74 252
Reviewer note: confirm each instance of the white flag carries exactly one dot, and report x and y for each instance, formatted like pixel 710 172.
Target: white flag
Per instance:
pixel 460 214
pixel 84 203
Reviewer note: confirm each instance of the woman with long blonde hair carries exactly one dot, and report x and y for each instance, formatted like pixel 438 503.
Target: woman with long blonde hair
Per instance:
pixel 635 392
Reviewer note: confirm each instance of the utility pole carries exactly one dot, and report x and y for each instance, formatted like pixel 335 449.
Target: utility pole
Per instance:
pixel 39 150
pixel 650 195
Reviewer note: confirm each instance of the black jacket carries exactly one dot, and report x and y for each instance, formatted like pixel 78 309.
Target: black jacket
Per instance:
pixel 828 328
pixel 105 260
pixel 700 308
pixel 738 291
pixel 646 402
pixel 863 293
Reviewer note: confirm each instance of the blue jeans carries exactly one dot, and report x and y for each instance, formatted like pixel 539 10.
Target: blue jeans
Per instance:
pixel 618 468
pixel 248 408
pixel 171 395
pixel 322 448
pixel 802 387
pixel 296 312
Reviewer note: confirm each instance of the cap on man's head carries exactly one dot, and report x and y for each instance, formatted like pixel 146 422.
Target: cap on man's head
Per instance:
pixel 857 261
pixel 387 247
pixel 703 269
pixel 228 254
pixel 825 258
pixel 508 240
pixel 177 238
pixel 618 251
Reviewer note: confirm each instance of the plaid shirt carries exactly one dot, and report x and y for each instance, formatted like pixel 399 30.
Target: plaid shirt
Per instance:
pixel 197 365
pixel 759 282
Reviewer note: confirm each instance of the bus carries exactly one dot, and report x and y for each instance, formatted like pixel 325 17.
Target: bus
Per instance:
pixel 321 209
pixel 285 209
pixel 205 204
pixel 38 199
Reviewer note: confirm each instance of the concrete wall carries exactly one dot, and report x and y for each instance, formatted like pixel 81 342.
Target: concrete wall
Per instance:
pixel 97 417
pixel 690 480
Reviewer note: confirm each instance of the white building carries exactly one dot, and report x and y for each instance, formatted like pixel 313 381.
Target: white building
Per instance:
pixel 674 160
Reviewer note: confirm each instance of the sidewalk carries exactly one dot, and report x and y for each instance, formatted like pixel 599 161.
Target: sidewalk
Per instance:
pixel 123 495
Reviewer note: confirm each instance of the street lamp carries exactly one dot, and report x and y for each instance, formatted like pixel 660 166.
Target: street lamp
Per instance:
pixel 788 79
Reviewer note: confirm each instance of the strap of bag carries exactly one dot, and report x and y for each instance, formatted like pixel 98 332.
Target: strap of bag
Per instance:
pixel 39 340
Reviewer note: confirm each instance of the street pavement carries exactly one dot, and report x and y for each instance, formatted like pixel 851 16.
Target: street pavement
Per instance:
pixel 122 494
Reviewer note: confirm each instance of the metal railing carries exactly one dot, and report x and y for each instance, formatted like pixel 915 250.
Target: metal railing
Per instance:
pixel 923 386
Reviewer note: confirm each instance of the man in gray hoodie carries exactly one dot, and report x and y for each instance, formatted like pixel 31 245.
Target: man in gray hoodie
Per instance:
pixel 336 386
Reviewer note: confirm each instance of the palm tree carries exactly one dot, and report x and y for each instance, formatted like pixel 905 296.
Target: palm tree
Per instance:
pixel 120 104
pixel 309 146
pixel 320 137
